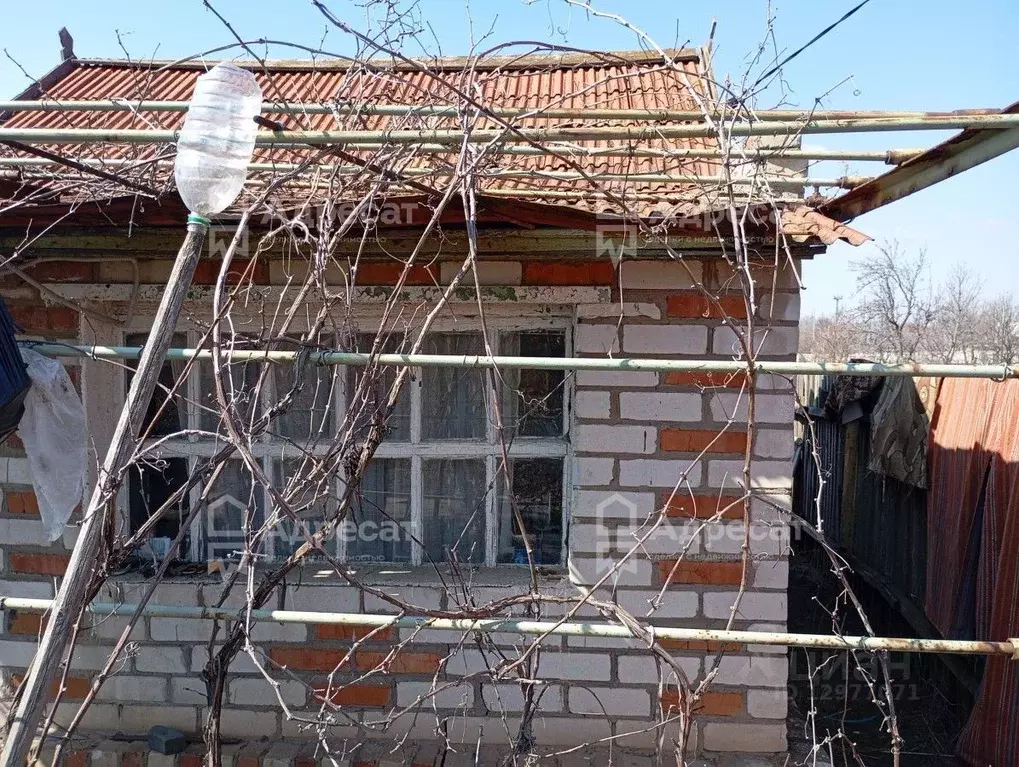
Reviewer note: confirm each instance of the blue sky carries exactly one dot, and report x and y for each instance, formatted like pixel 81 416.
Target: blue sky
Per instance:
pixel 893 54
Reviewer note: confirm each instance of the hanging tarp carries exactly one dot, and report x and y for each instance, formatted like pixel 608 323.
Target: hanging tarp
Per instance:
pixel 898 434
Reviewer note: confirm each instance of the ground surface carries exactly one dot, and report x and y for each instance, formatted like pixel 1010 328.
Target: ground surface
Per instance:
pixel 932 706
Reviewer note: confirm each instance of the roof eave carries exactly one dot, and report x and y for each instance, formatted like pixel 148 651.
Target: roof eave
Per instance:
pixel 963 151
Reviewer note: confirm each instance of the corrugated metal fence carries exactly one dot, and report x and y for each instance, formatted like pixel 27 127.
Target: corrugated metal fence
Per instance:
pixel 878 522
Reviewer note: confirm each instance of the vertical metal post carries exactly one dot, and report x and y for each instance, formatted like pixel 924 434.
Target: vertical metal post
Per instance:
pixel 70 600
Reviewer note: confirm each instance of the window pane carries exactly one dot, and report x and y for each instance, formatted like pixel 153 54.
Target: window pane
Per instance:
pixel 151 484
pixel 378 528
pixel 231 504
pixel 172 418
pixel 538 495
pixel 453 399
pixel 454 509
pixel 242 378
pixel 310 502
pixel 362 405
pixel 534 398
pixel 149 487
pixel 310 414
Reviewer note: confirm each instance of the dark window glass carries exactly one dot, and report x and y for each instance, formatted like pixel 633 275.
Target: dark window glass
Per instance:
pixel 537 496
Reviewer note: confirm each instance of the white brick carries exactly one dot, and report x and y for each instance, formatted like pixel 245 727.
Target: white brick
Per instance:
pixel 664 274
pixel 611 701
pixel 22 532
pixel 425 597
pixel 18 472
pixel 774 443
pixel 604 378
pixel 180 630
pixel 241 664
pixel 91 657
pixel 744 738
pixel 615 309
pixel 784 308
pixel 596 339
pixel 112 626
pixel 763 474
pixel 771 574
pixel 666 538
pixel 470 661
pixel 767 704
pixel 188 689
pixel 673 603
pixel 489 272
pixel 137 719
pixel 100 717
pixel 781 276
pixel 142 689
pixel 728 538
pixel 27 589
pixel 642 669
pixel 258 692
pixel 590 538
pixel 509 697
pixel 615 439
pixel 241 724
pixel 768 342
pixel 593 471
pixel 16 654
pixel 775 382
pixel 660 406
pixel 458 696
pixel 572 731
pixel 266 631
pixel 658 473
pixel 160 659
pixel 665 339
pixel 752 671
pixel 589 571
pixel 755 605
pixel 592 404
pixel 573 665
pixel 606 504
pixel 768 408
pixel 176 594
pixel 309 597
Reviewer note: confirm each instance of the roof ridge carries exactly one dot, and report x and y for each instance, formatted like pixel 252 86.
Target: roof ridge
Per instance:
pixel 555 59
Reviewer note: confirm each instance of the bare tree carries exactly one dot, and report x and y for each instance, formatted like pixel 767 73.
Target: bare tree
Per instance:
pixel 953 332
pixel 896 306
pixel 999 327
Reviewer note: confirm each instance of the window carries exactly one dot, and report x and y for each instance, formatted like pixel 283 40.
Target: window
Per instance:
pixel 436 488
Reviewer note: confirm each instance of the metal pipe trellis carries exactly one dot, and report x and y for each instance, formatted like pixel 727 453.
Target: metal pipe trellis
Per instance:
pixel 328 357
pixel 794 182
pixel 439 110
pixel 355 137
pixel 1009 647
pixel 737 156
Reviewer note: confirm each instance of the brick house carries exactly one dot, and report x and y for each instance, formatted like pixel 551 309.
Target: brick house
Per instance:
pixel 606 452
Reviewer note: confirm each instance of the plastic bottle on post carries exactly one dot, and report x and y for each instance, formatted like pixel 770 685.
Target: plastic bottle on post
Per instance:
pixel 217 139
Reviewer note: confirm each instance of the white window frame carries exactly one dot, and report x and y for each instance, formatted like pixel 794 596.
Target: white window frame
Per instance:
pixel 488 448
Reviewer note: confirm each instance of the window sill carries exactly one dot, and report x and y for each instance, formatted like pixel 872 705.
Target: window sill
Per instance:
pixel 384 575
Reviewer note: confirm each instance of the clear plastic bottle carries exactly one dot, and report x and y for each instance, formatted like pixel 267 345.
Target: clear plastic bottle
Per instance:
pixel 217 139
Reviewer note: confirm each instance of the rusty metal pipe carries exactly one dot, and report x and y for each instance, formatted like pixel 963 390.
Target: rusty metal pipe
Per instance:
pixel 554 134
pixel 439 110
pixel 1009 647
